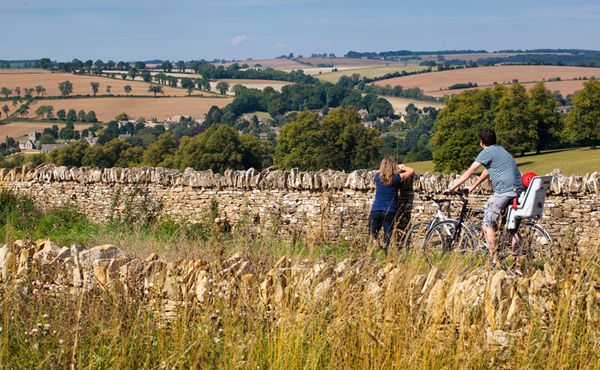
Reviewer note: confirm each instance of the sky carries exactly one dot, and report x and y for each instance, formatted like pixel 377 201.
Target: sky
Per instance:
pixel 133 30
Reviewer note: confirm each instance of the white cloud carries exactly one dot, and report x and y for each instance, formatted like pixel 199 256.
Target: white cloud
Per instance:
pixel 280 45
pixel 239 40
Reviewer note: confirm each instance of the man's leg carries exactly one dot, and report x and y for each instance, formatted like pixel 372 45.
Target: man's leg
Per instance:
pixel 490 239
pixel 496 203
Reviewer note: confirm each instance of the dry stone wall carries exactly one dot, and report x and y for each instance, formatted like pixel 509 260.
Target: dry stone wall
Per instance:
pixel 325 204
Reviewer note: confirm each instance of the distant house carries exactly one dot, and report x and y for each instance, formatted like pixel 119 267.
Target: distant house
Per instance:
pixel 28 145
pixel 91 140
pixel 32 142
pixel 124 136
pixel 50 147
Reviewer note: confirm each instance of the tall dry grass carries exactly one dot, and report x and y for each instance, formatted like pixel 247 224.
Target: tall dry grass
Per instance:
pixel 348 328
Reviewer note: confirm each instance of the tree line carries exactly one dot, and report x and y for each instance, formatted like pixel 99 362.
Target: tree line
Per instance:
pixel 523 120
pixel 337 140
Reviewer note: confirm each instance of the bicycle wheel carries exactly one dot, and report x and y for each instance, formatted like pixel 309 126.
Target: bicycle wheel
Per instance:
pixel 537 239
pixel 518 250
pixel 442 242
pixel 413 240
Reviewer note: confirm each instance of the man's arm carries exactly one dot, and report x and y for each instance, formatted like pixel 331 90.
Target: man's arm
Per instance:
pixel 484 175
pixel 465 176
pixel 405 172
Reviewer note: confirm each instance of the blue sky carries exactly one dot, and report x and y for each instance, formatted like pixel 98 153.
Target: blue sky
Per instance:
pixel 187 29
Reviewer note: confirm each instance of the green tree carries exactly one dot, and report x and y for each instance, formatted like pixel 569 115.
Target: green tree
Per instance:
pixel 44 111
pixel 217 148
pixel 161 152
pixel 146 76
pixel 95 87
pixel 258 153
pixel 130 156
pixel 133 74
pixel 91 117
pixel 299 142
pixel 542 106
pixel 583 121
pixel 127 89
pixel 47 139
pixel 188 84
pixel 66 88
pixel 45 63
pixel 72 115
pixel 81 116
pixel 61 114
pixel 222 87
pixel 156 89
pixel 5 91
pixel 18 91
pixel 454 142
pixel 5 109
pixel 514 123
pixel 40 90
pixel 69 155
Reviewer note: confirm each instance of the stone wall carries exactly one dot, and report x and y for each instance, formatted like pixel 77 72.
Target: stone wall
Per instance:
pixel 325 204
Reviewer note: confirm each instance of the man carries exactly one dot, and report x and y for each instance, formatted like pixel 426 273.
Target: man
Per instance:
pixel 501 168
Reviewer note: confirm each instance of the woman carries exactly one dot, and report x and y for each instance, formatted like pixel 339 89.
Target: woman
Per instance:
pixel 385 204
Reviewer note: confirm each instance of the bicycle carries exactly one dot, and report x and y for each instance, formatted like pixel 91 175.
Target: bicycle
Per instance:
pixel 445 235
pixel 416 234
pixel 520 238
pixel 524 240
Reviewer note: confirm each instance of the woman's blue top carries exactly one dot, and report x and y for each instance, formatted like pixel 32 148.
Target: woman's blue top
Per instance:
pixel 386 197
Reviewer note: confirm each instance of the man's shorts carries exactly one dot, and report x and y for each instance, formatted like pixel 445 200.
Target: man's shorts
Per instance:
pixel 495 204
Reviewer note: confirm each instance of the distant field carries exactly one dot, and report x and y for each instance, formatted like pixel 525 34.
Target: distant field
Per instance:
pixel 159 108
pixel 369 72
pixel 251 84
pixel 282 64
pixel 20 129
pixel 400 104
pixel 81 84
pixel 469 57
pixel 437 83
pixel 10 71
pixel 340 63
pixel 570 161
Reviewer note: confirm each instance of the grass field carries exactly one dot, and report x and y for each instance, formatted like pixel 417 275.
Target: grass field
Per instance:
pixel 159 108
pixel 19 129
pixel 437 83
pixel 570 161
pixel 400 104
pixel 81 84
pixel 370 72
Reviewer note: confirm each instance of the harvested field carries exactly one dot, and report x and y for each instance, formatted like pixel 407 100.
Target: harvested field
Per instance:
pixel 400 104
pixel 251 84
pixel 436 83
pixel 21 71
pixel 19 129
pixel 81 84
pixel 159 108
pixel 369 72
